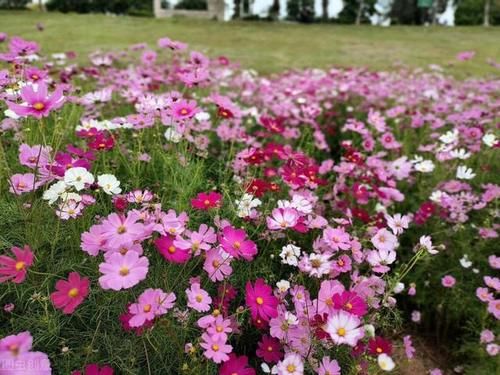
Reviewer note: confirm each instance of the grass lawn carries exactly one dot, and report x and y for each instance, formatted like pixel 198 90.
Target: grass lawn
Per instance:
pixel 270 47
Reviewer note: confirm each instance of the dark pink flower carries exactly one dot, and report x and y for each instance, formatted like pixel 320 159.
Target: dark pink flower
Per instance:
pixel 70 294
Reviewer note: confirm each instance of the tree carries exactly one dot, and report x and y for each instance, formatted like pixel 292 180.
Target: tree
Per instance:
pixel 487 8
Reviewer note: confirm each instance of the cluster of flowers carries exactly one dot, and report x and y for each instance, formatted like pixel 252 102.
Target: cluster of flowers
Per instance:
pixel 322 201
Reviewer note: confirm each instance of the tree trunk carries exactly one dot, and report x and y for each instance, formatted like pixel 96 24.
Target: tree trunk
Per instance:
pixel 487 8
pixel 325 9
pixel 360 12
pixel 237 9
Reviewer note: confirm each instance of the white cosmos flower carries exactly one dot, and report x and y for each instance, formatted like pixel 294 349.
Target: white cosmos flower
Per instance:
pixel 489 139
pixel 425 166
pixel 109 184
pixel 246 204
pixel 289 255
pixel 172 135
pixel 268 370
pixel 78 177
pixel 461 154
pixel 399 288
pixel 53 193
pixel 426 243
pixel 465 261
pixel 283 285
pixel 202 116
pixel 450 136
pixel 437 195
pixel 385 362
pixel 465 173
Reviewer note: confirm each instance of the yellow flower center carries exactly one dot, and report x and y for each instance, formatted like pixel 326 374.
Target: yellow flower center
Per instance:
pixel 206 202
pixel 341 332
pixel 184 111
pixel 147 308
pixel 73 292
pixel 124 271
pixel 39 106
pixel 379 350
pixel 20 265
pixel 215 347
pixel 121 229
pixel 219 329
pixel 237 244
pixel 199 298
pixel 291 368
pixel 259 300
pixel 171 249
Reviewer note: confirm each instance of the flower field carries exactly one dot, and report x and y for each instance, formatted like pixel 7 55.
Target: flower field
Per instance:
pixel 163 211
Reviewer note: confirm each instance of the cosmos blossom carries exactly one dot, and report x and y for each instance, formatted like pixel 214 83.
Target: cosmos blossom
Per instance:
pixel 71 293
pixel 15 269
pixel 36 101
pixel 260 300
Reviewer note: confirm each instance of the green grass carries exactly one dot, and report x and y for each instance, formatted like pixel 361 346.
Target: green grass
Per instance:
pixel 270 47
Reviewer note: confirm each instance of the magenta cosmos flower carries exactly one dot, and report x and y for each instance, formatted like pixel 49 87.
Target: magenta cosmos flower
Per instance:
pixel 205 201
pixel 36 101
pixel 261 301
pixel 123 271
pixel 350 302
pixel 236 365
pixel 269 349
pixel 234 242
pixel 70 294
pixel 15 269
pixel 94 369
pixel 171 253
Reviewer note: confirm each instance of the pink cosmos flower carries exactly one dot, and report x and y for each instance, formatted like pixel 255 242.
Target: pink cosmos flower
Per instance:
pixel 23 183
pixel 282 218
pixel 236 365
pixel 173 224
pixel 150 304
pixel 380 259
pixel 34 157
pixel 15 269
pixel 494 308
pixel 261 301
pixel 184 109
pixel 197 241
pixel 36 101
pixel 234 242
pixel 139 196
pixel 344 328
pixel 328 367
pixel 70 294
pixel 15 353
pixel 219 328
pixel 342 264
pixel 408 345
pixel 205 201
pixel 448 281
pixel 118 230
pixel 384 240
pixel 165 246
pixel 337 238
pixel 486 336
pixel 198 298
pixel 94 369
pixel 215 349
pixel 327 290
pixel 292 364
pixel 465 55
pixel 350 302
pixel 123 271
pixel 217 264
pixel 93 240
